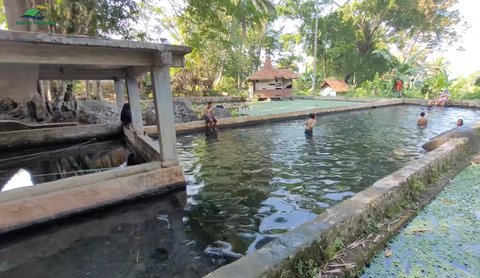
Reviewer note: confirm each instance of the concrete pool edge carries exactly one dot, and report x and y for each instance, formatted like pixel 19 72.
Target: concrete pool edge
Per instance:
pixel 346 220
pixel 46 202
pixel 190 127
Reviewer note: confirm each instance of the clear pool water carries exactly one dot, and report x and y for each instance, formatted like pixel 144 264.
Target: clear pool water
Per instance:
pixel 245 187
pixel 248 186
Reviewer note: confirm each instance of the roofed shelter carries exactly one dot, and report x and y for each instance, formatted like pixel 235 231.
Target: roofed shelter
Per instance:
pixel 332 87
pixel 26 57
pixel 270 82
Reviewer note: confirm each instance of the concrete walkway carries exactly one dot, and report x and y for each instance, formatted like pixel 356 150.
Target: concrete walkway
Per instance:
pixel 443 240
pixel 261 108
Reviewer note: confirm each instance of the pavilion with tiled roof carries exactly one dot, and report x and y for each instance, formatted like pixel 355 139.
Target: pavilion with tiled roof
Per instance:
pixel 270 82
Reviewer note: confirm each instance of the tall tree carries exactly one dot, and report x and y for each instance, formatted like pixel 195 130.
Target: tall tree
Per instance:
pixel 88 17
pixel 350 35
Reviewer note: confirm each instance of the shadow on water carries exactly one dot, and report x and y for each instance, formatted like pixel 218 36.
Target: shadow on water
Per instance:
pixel 146 238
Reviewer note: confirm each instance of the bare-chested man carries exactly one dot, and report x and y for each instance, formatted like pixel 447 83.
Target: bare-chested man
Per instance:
pixel 310 124
pixel 210 117
pixel 422 121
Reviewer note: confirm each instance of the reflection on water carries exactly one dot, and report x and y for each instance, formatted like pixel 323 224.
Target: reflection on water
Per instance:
pixel 22 178
pixel 143 240
pixel 248 186
pixel 33 166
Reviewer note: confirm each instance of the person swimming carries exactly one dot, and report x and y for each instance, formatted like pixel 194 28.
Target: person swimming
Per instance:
pixel 310 124
pixel 422 121
pixel 459 122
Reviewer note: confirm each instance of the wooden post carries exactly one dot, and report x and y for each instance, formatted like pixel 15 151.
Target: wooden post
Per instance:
pixel 134 100
pixel 163 100
pixel 119 94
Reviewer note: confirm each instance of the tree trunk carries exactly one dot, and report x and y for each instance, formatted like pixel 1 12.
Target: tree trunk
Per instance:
pixel 88 92
pixel 36 107
pixel 13 10
pixel 98 90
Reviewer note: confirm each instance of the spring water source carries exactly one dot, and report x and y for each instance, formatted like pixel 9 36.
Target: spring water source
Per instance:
pixel 245 187
pixel 38 165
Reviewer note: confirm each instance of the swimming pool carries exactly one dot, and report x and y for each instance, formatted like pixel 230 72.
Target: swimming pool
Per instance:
pixel 245 187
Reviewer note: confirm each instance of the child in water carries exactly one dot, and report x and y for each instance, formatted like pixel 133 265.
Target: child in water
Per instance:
pixel 422 121
pixel 310 123
pixel 459 122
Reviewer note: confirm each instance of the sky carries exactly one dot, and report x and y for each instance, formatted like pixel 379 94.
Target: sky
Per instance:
pixel 468 61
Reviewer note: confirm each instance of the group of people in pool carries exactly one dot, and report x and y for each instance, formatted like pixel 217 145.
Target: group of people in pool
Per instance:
pixel 211 120
pixel 441 101
pixel 423 121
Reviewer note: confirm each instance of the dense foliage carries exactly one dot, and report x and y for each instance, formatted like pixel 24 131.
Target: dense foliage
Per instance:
pixel 376 42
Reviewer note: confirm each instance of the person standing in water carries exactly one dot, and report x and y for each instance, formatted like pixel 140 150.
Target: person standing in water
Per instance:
pixel 310 124
pixel 422 121
pixel 210 117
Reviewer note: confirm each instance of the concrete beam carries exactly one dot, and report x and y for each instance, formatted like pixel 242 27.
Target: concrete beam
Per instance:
pixel 142 146
pixel 24 53
pixel 134 100
pixel 56 72
pixel 163 101
pixel 119 93
pixel 22 139
pixel 57 54
pixel 20 213
pixel 50 39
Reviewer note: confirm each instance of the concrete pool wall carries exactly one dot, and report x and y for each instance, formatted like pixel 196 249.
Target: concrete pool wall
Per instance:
pixel 52 200
pixel 347 220
pixel 232 122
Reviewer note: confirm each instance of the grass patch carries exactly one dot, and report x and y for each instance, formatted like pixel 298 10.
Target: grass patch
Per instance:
pixel 416 187
pixel 303 268
pixel 333 248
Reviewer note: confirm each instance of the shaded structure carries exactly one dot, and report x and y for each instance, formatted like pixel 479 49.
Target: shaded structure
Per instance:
pixel 27 57
pixel 332 87
pixel 270 82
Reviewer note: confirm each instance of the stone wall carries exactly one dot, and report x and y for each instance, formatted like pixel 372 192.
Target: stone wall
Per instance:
pixel 205 100
pixel 347 220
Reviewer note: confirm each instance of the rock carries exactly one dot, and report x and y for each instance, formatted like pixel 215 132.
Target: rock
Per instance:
pixel 97 112
pixel 182 109
pixel 149 117
pixel 221 112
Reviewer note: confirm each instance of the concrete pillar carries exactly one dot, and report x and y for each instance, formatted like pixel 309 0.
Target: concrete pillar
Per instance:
pixel 119 94
pixel 163 100
pixel 134 100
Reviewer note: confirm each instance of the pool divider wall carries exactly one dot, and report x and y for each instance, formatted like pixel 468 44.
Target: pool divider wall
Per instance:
pixel 346 221
pixel 451 102
pixel 23 207
pixel 21 139
pixel 189 127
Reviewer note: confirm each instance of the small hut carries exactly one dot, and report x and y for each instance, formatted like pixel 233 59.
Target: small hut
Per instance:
pixel 332 87
pixel 270 82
